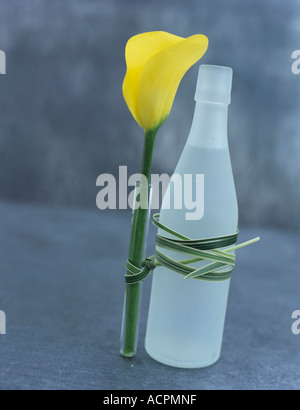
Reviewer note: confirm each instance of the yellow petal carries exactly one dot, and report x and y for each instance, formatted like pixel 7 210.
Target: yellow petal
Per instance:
pixel 156 63
pixel 161 77
pixel 139 50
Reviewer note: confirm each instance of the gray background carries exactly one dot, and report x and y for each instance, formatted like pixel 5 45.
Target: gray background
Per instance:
pixel 63 119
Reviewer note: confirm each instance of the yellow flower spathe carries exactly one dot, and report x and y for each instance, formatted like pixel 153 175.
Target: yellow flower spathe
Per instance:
pixel 156 62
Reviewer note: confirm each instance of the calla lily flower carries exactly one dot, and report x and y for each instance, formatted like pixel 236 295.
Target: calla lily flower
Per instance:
pixel 156 62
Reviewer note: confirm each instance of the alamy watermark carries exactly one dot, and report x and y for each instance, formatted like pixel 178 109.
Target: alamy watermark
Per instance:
pixel 2 323
pixel 2 62
pixel 296 63
pixel 296 323
pixel 178 192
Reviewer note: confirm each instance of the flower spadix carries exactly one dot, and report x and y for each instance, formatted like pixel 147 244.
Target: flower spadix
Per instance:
pixel 156 62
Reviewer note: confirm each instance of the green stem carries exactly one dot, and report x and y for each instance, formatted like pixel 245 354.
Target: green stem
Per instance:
pixel 139 219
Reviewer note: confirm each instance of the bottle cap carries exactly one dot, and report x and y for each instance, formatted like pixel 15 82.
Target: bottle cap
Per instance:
pixel 214 84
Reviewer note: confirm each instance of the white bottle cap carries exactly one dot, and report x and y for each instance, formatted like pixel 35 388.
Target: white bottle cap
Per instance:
pixel 214 84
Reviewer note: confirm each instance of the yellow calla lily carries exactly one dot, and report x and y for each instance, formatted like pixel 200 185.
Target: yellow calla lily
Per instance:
pixel 156 62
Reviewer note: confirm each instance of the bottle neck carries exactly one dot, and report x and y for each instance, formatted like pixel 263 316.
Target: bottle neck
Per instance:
pixel 209 127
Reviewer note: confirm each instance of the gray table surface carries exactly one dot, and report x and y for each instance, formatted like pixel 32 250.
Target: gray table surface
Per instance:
pixel 62 291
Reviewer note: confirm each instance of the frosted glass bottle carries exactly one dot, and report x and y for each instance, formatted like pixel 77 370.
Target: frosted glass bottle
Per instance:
pixel 186 316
